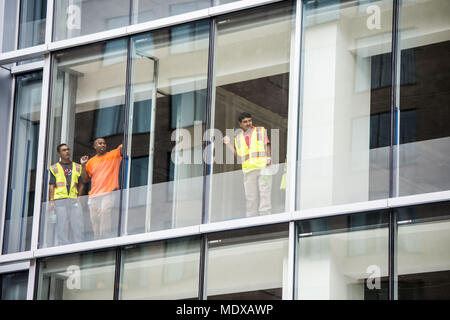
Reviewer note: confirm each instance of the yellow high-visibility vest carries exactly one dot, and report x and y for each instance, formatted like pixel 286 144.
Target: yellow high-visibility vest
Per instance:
pixel 256 156
pixel 60 187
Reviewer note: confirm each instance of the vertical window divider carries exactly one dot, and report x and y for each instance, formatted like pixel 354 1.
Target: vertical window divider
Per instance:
pixel 16 45
pixel 131 11
pixel 293 142
pixel 394 151
pixel 207 158
pixel 203 273
pixel 295 156
pixel 395 116
pixel 33 280
pixel 49 21
pixel 40 166
pixel 392 260
pixel 292 253
pixel 209 124
pixel 125 155
pixel 8 164
pixel 117 273
pixel 293 119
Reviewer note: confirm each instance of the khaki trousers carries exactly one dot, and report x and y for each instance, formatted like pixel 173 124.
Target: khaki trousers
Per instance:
pixel 256 183
pixel 101 208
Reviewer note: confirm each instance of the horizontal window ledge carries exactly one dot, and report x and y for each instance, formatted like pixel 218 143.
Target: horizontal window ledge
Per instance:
pixel 23 54
pixel 18 256
pixel 418 199
pixel 241 223
pixel 14 267
pixel 246 222
pixel 28 67
pixel 340 209
pixel 118 241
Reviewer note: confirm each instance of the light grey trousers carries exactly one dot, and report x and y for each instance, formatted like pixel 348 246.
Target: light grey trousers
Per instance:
pixel 256 184
pixel 69 221
pixel 103 215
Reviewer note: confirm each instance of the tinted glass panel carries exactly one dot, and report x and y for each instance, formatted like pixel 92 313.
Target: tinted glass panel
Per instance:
pixel 252 76
pixel 163 270
pixel 248 264
pixel 424 97
pixel 423 256
pixel 33 15
pixel 343 258
pixel 81 17
pixel 82 199
pixel 85 276
pixel 343 154
pixel 13 286
pixel 165 128
pixel 22 171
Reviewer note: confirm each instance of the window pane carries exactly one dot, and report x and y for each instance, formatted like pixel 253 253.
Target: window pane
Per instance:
pixel 253 52
pixel 85 276
pixel 8 25
pixel 423 255
pixel 22 172
pixel 75 18
pixel 166 123
pixel 147 10
pixel 163 270
pixel 13 286
pixel 345 109
pixel 424 97
pixel 343 258
pixel 33 15
pixel 248 264
pixel 87 114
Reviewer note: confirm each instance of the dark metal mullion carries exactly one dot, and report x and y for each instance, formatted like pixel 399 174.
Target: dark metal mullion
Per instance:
pixel 393 100
pixel 123 173
pixel 208 121
pixel 126 125
pixel 393 141
pixel 206 165
pixel 117 273
pixel 202 267
pixel 36 279
pixel 52 74
pixel 1 286
pixel 14 97
pixel 130 17
pixel 295 189
pixel 393 280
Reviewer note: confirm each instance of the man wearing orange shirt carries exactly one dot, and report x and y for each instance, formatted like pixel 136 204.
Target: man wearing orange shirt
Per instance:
pixel 103 172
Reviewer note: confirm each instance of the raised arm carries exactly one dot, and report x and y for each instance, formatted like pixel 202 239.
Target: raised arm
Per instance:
pixel 84 175
pixel 227 141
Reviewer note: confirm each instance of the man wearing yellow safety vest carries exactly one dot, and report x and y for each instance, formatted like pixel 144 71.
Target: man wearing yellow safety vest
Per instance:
pixel 253 147
pixel 65 176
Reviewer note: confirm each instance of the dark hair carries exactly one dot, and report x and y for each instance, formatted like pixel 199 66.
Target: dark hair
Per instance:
pixel 59 146
pixel 93 141
pixel 244 115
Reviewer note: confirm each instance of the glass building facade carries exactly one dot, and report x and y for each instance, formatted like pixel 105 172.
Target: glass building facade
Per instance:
pixel 127 170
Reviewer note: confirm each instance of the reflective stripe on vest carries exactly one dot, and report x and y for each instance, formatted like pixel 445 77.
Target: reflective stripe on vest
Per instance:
pixel 60 185
pixel 254 157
